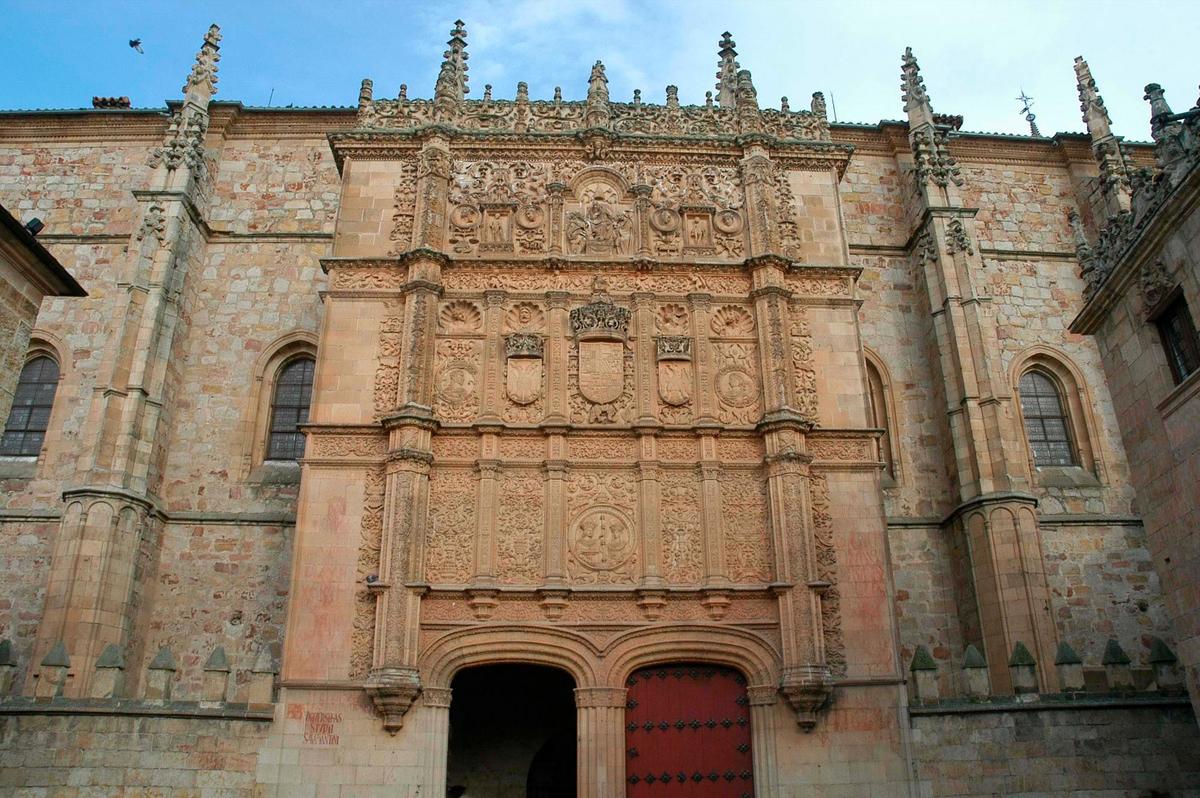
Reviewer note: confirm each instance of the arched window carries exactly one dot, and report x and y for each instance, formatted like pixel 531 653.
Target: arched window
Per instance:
pixel 879 416
pixel 30 413
pixel 1046 424
pixel 289 409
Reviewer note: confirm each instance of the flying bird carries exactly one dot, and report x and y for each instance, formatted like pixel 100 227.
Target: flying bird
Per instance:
pixel 137 45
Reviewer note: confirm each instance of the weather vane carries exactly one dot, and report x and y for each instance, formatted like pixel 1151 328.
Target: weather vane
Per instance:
pixel 1027 102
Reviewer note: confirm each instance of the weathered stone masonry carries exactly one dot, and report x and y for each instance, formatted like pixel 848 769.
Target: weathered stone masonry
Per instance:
pixel 593 390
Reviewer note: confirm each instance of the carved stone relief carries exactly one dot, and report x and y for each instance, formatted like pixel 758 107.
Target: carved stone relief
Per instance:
pixel 602 541
pixel 731 321
pixel 387 372
pixel 600 368
pixel 696 212
pixel 675 378
pixel 404 208
pixel 682 547
pixel 827 571
pixel 524 378
pixel 498 207
pixel 456 380
pixel 362 636
pixel 804 373
pixel 744 523
pixel 736 383
pixel 600 222
pixel 519 528
pixel 450 546
pixel 538 282
pixel 460 317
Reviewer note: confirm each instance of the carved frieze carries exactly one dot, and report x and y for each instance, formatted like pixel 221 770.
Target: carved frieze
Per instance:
pixel 744 525
pixel 680 537
pixel 519 522
pixel 450 542
pixel 538 282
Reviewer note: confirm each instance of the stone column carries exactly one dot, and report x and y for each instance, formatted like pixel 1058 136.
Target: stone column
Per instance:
pixel 436 750
pixel 715 575
pixel 485 533
pixel 556 359
pixel 649 495
pixel 600 732
pixel 645 363
pixel 706 407
pixel 762 736
pixel 555 190
pixel 641 207
pixel 493 358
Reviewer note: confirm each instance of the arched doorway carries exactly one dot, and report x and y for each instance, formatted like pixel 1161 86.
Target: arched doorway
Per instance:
pixel 687 733
pixel 512 732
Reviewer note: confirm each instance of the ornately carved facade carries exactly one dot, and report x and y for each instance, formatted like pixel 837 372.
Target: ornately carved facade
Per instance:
pixel 598 386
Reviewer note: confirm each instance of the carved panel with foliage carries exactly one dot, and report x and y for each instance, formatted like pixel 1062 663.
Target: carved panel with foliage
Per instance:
pixel 602 538
pixel 450 542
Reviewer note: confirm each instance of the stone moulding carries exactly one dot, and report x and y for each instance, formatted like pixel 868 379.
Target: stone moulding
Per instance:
pixel 808 689
pixel 393 690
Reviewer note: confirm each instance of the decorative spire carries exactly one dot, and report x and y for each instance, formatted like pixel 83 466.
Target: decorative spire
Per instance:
pixel 783 105
pixel 673 97
pixel 403 95
pixel 747 103
pixel 365 91
pixel 451 85
pixel 1160 112
pixel 202 82
pixel 916 100
pixel 727 72
pixel 1106 149
pixel 1095 115
pixel 597 97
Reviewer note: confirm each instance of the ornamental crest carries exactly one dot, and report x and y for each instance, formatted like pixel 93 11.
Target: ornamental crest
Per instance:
pixel 674 369
pixel 600 318
pixel 601 371
pixel 523 368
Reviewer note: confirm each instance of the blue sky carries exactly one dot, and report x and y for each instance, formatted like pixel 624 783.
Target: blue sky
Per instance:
pixel 976 55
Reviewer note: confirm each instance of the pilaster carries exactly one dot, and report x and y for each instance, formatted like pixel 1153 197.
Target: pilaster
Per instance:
pixel 600 730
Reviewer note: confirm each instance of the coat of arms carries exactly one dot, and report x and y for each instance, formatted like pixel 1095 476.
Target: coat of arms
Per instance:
pixel 601 371
pixel 523 369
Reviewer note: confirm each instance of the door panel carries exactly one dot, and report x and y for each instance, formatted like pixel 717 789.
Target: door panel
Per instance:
pixel 687 733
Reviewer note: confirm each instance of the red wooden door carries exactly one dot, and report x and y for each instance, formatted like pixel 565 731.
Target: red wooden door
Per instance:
pixel 687 733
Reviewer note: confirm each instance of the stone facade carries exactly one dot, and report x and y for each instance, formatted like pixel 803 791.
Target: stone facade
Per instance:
pixel 598 385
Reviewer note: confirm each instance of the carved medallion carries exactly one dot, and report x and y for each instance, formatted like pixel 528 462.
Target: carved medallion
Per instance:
pixel 601 371
pixel 456 380
pixel 735 386
pixel 601 538
pixel 456 383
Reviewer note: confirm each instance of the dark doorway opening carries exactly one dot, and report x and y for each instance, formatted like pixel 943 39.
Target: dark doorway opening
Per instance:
pixel 512 733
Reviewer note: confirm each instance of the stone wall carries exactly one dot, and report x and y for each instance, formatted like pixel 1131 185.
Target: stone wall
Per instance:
pixel 1115 749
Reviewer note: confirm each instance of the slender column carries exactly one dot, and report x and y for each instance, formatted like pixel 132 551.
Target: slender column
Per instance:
pixel 762 737
pixel 555 191
pixel 556 512
pixel 710 510
pixel 649 494
pixel 436 701
pixel 641 208
pixel 493 357
pixel 758 181
pixel 485 533
pixel 706 408
pixel 600 732
pixel 644 357
pixel 556 358
pixel 774 345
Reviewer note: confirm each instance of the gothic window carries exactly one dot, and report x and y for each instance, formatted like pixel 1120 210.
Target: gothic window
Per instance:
pixel 879 416
pixel 1179 339
pixel 1046 424
pixel 30 413
pixel 289 409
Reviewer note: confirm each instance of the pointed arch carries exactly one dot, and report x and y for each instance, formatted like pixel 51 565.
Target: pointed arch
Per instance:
pixel 882 407
pixel 1043 378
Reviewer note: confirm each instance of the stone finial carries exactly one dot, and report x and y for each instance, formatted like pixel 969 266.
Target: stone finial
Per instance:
pixel 975 672
pixel 818 105
pixel 672 96
pixel 487 92
pixel 55 668
pixel 637 98
pixel 558 95
pixel 1069 667
pixel 1095 115
pixel 1023 668
pixel 109 678
pixel 1116 666
pixel 924 677
pixel 597 113
pixel 727 72
pixel 522 92
pixel 916 99
pixel 365 99
pixel 402 95
pixel 749 119
pixel 202 81
pixel 1165 666
pixel 8 666
pixel 160 676
pixel 261 689
pixel 216 676
pixel 451 87
pixel 1160 111
pixel 783 105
